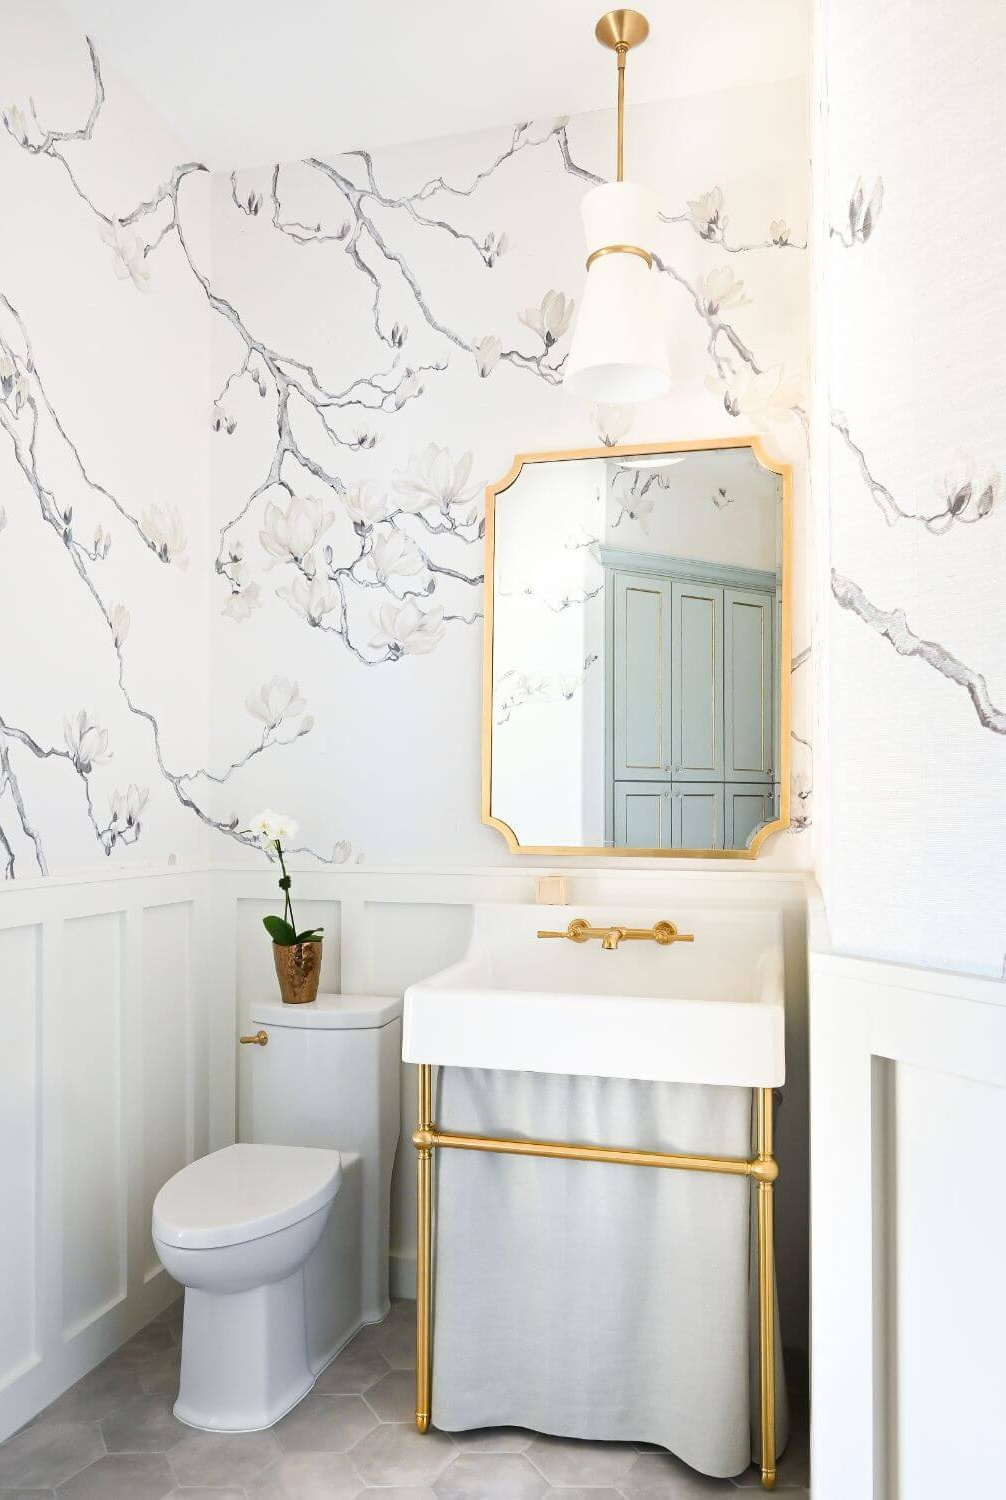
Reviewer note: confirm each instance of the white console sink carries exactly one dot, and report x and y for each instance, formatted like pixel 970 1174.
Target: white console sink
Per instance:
pixel 709 1011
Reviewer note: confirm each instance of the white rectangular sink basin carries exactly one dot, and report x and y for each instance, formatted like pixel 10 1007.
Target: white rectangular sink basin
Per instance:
pixel 709 1011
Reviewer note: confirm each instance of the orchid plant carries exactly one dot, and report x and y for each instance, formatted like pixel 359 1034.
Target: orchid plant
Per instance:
pixel 271 828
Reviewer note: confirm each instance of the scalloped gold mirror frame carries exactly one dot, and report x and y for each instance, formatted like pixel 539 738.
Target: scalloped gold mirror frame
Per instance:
pixel 636 450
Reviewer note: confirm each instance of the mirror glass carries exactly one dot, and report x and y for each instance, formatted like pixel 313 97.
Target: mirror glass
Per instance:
pixel 634 691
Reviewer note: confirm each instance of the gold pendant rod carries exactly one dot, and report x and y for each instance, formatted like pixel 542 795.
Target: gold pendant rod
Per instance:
pixel 622 51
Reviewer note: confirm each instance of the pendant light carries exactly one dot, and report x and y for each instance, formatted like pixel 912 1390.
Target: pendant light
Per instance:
pixel 618 353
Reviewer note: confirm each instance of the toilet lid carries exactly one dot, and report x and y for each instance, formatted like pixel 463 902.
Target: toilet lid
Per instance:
pixel 242 1193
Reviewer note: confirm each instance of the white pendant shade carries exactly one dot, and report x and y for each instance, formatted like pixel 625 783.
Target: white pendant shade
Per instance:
pixel 619 350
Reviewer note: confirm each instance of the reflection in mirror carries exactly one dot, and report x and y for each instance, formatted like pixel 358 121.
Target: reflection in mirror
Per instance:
pixel 635 698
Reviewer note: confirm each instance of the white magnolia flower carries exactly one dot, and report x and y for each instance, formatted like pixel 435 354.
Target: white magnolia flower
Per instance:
pixel 612 421
pixel 102 542
pixel 779 231
pixel 434 478
pixel 291 533
pixel 966 494
pixel 568 685
pixel 129 251
pixel 638 508
pixel 239 604
pixel 3 517
pixel 8 370
pixel 16 123
pixel 394 552
pixel 162 525
pixel 221 420
pixel 86 741
pixel 551 319
pixel 706 213
pixel 721 288
pixel 406 628
pixel 272 827
pixel 364 502
pixel 865 211
pixel 127 806
pixel 487 351
pixel 766 398
pixel 119 621
pixel 409 386
pixel 313 598
pixel 493 246
pixel 275 701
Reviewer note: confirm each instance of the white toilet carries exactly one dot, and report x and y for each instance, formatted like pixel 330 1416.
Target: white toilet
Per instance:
pixel 282 1243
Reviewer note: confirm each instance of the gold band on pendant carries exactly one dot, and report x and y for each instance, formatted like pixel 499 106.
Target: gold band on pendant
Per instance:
pixel 621 250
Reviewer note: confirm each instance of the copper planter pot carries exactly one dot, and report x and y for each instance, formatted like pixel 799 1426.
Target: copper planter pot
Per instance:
pixel 298 969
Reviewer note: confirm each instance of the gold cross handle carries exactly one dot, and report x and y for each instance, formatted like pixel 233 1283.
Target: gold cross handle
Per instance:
pixel 580 931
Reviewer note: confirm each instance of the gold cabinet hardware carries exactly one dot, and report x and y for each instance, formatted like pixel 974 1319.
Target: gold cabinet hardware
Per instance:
pixel 580 931
pixel 260 1039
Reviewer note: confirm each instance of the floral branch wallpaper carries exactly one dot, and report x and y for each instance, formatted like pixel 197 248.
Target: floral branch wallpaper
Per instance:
pixel 246 422
pixel 916 373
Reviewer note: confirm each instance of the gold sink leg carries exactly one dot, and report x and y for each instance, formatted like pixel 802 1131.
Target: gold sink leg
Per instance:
pixel 766 1280
pixel 424 1244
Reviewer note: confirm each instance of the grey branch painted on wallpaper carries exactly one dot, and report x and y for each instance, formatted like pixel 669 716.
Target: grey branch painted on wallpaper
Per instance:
pixel 893 625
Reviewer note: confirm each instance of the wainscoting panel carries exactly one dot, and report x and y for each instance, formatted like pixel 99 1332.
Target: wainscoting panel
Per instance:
pixel 908 1119
pixel 103 1095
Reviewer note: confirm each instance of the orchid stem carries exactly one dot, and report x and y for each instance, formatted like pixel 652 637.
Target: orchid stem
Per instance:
pixel 285 885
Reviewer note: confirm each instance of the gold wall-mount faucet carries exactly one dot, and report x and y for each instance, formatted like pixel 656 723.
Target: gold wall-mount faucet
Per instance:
pixel 580 931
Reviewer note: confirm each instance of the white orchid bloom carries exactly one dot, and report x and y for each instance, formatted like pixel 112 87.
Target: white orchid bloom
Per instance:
pixel 487 351
pixel 162 525
pixel 721 288
pixel 291 533
pixel 129 251
pixel 612 422
pixel 313 598
pixel 434 478
pixel 272 827
pixel 394 552
pixel 127 806
pixel 768 398
pixel 405 628
pixel 275 701
pixel 239 604
pixel 706 213
pixel 364 502
pixel 551 319
pixel 86 741
pixel 119 621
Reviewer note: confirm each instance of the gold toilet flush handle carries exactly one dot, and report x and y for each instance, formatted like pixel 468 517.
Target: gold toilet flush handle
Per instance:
pixel 260 1039
pixel 580 931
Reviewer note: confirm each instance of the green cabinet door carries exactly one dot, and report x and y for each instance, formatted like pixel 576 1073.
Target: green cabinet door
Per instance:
pixel 641 677
pixel 697 821
pixel 697 674
pixel 748 719
pixel 747 807
pixel 643 816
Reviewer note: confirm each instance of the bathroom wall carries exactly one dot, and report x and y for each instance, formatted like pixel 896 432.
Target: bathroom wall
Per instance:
pixel 913 374
pixel 305 504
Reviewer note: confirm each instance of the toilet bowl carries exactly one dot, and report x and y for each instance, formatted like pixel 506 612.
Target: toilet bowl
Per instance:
pixel 236 1229
pixel 282 1243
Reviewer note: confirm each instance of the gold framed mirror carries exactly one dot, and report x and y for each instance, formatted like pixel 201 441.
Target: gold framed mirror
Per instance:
pixel 636 690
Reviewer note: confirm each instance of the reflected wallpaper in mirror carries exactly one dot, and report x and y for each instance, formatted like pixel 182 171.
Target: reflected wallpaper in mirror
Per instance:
pixel 634 692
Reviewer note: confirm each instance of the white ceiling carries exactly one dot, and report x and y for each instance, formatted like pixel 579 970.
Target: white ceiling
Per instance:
pixel 248 81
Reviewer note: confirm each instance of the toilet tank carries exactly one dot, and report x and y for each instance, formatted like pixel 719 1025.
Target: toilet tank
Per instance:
pixel 329 1076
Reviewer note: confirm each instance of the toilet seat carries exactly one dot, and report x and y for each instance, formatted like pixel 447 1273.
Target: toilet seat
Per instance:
pixel 243 1193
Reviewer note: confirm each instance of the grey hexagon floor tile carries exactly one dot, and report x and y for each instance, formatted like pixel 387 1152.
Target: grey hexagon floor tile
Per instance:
pixel 401 1492
pixel 395 1453
pixel 661 1476
pixel 393 1398
pixel 793 1469
pixel 99 1393
pixel 396 1339
pixel 121 1476
pixel 360 1365
pixel 215 1459
pixel 198 1493
pixel 494 1440
pixel 565 1492
pixel 159 1375
pixel 569 1461
pixel 308 1476
pixel 42 1456
pixel 323 1423
pixel 27 1494
pixel 490 1476
pixel 143 1424
pixel 150 1340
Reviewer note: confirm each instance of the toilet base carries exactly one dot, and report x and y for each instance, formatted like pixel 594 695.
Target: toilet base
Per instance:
pixel 244 1356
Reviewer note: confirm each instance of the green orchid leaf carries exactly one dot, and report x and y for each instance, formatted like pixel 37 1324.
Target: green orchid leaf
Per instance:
pixel 281 932
pixel 313 935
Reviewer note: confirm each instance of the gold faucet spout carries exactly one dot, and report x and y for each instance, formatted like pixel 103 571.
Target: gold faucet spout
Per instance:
pixel 612 938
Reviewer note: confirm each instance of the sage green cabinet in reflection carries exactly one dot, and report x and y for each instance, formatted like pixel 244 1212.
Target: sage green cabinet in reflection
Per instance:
pixel 691 695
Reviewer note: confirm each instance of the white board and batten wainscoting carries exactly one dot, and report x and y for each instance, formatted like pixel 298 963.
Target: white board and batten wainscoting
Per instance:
pixel 908 1209
pixel 122 998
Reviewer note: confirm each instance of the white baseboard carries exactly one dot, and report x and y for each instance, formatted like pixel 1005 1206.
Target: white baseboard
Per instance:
pixel 403 1274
